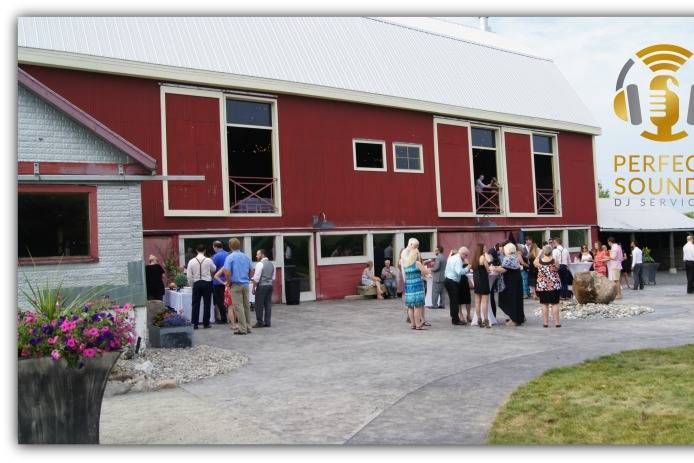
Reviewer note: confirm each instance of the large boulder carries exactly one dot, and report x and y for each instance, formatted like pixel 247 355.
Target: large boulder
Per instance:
pixel 593 287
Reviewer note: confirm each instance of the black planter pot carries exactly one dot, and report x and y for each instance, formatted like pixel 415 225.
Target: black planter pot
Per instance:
pixel 650 270
pixel 61 405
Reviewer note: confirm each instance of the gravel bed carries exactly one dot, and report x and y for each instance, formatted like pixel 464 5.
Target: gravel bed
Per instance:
pixel 164 368
pixel 573 310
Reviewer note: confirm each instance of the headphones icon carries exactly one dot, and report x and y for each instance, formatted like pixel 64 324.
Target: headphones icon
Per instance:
pixel 663 101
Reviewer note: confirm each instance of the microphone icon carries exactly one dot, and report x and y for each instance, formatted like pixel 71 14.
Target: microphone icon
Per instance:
pixel 664 109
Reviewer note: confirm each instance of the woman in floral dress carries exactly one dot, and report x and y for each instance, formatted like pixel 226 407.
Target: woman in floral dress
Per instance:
pixel 548 285
pixel 414 286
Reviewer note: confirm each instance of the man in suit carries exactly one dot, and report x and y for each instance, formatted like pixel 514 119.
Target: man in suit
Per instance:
pixel 438 277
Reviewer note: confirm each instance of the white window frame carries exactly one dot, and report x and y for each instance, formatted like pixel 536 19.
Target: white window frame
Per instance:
pixel 373 142
pixel 398 239
pixel 277 188
pixel 555 170
pixel 500 157
pixel 245 245
pixel 368 245
pixel 421 158
pixel 564 235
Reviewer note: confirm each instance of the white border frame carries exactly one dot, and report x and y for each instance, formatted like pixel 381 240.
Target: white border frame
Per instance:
pixel 441 213
pixel 368 248
pixel 500 157
pixel 421 158
pixel 168 212
pixel 556 172
pixel 564 234
pixel 246 245
pixel 222 97
pixel 372 142
pixel 398 243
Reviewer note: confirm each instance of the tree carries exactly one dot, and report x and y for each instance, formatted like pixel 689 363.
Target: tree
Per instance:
pixel 602 192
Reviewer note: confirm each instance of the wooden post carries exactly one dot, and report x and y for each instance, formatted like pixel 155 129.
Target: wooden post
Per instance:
pixel 673 269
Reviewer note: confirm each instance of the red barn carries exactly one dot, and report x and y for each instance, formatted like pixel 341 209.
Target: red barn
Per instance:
pixel 329 141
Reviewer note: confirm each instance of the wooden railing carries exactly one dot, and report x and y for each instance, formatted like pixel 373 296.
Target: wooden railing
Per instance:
pixel 546 201
pixel 488 200
pixel 252 195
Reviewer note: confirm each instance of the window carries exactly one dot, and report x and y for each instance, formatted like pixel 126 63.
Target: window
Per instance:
pixel 538 236
pixel 57 223
pixel 369 155
pixel 557 234
pixel 578 238
pixel 342 245
pixel 190 244
pixel 263 242
pixel 251 157
pixel 425 241
pixel 484 167
pixel 545 185
pixel 407 157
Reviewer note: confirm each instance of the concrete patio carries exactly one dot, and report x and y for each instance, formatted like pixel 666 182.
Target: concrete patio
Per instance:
pixel 352 372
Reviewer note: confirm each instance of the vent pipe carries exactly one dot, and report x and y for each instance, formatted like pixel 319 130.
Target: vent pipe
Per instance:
pixel 484 23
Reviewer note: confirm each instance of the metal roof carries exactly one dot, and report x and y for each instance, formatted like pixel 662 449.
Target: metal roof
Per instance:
pixel 634 217
pixel 407 58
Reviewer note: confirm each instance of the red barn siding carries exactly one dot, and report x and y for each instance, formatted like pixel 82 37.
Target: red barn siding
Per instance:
pixel 193 147
pixel 454 240
pixel 519 167
pixel 338 281
pixel 315 142
pixel 454 168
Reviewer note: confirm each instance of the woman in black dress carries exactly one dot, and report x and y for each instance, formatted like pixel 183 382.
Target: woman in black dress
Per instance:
pixel 153 279
pixel 548 284
pixel 464 298
pixel 511 298
pixel 480 275
pixel 533 252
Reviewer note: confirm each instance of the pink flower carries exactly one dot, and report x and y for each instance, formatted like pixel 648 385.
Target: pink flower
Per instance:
pixel 25 353
pixel 104 329
pixel 54 323
pixel 52 341
pixel 29 317
pixel 113 344
pixel 71 343
pixel 93 331
pixel 68 326
pixel 55 354
pixel 81 348
pixel 89 352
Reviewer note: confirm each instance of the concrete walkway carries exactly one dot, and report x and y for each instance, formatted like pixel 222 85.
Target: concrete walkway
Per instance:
pixel 352 372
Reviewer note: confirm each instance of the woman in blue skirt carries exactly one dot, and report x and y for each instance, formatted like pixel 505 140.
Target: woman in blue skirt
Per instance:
pixel 414 286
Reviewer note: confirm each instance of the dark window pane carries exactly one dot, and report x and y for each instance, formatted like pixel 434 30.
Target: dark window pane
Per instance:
pixel 542 144
pixel 190 245
pixel 252 189
pixel 342 245
pixel 578 238
pixel 53 224
pixel 543 172
pixel 249 113
pixel 538 236
pixel 369 155
pixel 264 242
pixel 407 157
pixel 425 241
pixel 483 137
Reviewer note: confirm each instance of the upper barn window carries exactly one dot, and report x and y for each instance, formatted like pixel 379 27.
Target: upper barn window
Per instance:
pixel 407 157
pixel 544 163
pixel 369 155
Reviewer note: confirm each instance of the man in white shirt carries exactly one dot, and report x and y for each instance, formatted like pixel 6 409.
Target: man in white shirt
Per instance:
pixel 561 256
pixel 688 252
pixel 200 271
pixel 637 265
pixel 263 278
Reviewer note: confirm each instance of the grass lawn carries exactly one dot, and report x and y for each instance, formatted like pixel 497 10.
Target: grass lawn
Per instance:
pixel 635 397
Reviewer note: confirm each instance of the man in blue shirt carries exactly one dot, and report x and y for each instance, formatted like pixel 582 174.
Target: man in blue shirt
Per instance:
pixel 218 259
pixel 237 270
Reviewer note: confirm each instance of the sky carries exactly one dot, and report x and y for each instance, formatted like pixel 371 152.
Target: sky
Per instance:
pixel 590 52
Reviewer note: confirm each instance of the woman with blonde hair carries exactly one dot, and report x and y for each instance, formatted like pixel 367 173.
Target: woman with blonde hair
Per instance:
pixel 154 282
pixel 511 298
pixel 414 270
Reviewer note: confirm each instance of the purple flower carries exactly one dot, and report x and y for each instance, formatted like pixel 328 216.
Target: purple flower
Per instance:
pixel 35 341
pixel 89 352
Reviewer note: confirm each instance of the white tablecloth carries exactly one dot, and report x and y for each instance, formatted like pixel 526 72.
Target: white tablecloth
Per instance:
pixel 575 267
pixel 490 314
pixel 182 302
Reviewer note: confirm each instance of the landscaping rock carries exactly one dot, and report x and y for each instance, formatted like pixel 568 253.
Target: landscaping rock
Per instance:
pixel 145 367
pixel 592 287
pixel 114 388
pixel 572 310
pixel 166 384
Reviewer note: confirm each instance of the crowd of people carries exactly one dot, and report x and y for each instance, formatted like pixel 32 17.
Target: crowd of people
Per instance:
pixel 226 280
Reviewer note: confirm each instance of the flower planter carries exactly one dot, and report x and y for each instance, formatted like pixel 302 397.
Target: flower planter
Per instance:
pixel 62 405
pixel 171 336
pixel 649 272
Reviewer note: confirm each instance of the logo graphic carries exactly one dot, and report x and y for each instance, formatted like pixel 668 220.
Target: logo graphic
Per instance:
pixel 664 60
